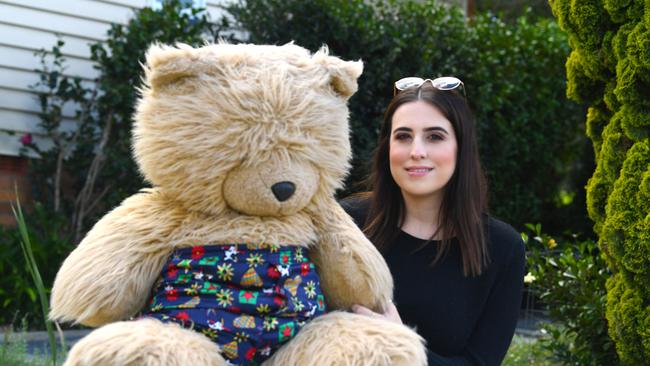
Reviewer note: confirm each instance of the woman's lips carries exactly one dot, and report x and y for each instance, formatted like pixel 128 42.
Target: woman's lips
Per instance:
pixel 418 171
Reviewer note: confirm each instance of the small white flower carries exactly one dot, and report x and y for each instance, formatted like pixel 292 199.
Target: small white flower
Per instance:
pixel 529 278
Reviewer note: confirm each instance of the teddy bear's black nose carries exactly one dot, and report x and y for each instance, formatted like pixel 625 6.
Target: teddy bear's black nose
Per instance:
pixel 283 190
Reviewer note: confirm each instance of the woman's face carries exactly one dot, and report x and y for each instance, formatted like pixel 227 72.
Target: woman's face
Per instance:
pixel 422 150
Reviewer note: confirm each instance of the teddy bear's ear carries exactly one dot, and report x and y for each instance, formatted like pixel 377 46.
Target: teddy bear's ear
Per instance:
pixel 166 64
pixel 343 74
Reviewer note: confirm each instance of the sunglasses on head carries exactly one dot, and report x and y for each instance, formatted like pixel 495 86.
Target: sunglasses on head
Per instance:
pixel 441 83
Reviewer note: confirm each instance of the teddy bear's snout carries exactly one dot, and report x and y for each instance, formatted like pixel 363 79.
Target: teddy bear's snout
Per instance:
pixel 283 190
pixel 272 188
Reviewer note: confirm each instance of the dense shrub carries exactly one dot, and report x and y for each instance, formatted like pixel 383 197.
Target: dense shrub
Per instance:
pixel 18 295
pixel 569 279
pixel 609 68
pixel 529 133
pixel 511 9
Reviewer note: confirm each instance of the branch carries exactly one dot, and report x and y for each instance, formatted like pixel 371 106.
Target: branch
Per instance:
pixel 57 179
pixel 64 148
pixel 81 204
pixel 90 208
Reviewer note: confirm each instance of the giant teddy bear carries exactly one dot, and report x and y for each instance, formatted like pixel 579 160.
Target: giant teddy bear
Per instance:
pixel 239 254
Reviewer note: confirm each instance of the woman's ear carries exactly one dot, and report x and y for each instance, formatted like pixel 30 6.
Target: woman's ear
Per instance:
pixel 343 74
pixel 167 64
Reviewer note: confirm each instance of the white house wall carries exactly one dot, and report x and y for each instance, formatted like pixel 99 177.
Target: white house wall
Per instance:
pixel 27 26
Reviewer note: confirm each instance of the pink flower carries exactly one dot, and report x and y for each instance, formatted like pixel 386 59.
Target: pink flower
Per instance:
pixel 26 139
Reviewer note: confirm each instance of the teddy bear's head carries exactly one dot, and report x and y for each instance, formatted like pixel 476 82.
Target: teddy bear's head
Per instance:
pixel 262 130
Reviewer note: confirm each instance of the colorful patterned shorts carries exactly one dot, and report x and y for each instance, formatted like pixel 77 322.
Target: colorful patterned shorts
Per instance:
pixel 248 301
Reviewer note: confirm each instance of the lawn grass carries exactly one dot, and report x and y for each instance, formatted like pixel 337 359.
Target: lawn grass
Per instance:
pixel 526 351
pixel 14 352
pixel 522 352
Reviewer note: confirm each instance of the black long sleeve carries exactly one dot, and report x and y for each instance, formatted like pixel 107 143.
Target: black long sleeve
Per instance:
pixel 465 320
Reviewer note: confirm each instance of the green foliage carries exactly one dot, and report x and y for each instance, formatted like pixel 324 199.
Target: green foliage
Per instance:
pixel 625 310
pixel 32 266
pixel 617 194
pixel 581 87
pixel 626 226
pixel 18 293
pixel 512 9
pixel 597 118
pixel 569 278
pixel 513 74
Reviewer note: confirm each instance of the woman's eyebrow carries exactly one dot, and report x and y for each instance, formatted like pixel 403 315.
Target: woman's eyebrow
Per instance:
pixel 405 129
pixel 436 128
pixel 428 129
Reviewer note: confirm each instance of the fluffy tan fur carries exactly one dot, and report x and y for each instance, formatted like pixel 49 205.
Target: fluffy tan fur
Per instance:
pixel 350 268
pixel 345 339
pixel 109 276
pixel 144 343
pixel 259 103
pixel 215 128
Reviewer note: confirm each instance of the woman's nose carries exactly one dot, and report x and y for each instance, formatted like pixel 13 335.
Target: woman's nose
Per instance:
pixel 417 151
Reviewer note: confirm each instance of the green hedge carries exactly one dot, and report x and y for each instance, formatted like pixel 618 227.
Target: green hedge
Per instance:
pixel 609 68
pixel 531 140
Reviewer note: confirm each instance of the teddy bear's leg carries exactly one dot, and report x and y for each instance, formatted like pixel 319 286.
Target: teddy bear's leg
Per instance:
pixel 145 342
pixel 340 338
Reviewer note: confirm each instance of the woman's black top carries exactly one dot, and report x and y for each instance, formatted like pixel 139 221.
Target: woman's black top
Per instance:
pixel 464 320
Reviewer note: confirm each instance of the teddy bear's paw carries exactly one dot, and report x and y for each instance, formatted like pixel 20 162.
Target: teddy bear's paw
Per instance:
pixel 145 342
pixel 345 339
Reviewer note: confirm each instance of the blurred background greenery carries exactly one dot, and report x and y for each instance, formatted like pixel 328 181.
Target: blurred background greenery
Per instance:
pixel 511 56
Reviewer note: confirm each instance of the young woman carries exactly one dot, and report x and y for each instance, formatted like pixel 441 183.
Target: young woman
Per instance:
pixel 458 272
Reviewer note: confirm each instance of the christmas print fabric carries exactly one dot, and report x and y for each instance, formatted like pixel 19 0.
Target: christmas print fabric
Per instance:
pixel 249 300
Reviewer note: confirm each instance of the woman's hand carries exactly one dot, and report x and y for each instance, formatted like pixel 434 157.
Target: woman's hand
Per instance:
pixel 390 314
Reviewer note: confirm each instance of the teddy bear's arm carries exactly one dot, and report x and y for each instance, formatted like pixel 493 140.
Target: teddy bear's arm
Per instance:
pixel 109 276
pixel 351 269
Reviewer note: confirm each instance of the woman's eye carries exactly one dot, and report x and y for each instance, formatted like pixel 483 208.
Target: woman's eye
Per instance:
pixel 402 136
pixel 435 137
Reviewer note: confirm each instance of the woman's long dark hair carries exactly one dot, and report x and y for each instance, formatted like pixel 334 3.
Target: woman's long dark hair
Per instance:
pixel 464 202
